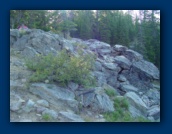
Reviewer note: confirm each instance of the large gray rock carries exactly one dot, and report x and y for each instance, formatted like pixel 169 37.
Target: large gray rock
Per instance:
pixel 70 117
pixel 121 78
pixel 99 101
pixel 68 46
pixel 133 55
pixel 146 100
pixel 12 40
pixel 96 100
pixel 14 33
pixel 137 102
pixel 112 81
pixel 146 68
pixel 129 88
pixel 109 73
pixel 156 86
pixel 154 111
pixel 119 48
pixel 138 80
pixel 43 103
pixel 73 86
pixel 95 44
pixel 55 95
pixel 77 40
pixel 104 51
pixel 15 102
pixel 29 52
pixel 36 41
pixel 15 84
pixel 101 78
pixel 21 43
pixel 40 109
pixel 98 66
pixel 134 111
pixel 123 62
pixel 44 44
pixel 111 66
pixel 106 59
pixel 102 103
pixel 154 96
pixel 29 106
pixel 51 113
pixel 88 99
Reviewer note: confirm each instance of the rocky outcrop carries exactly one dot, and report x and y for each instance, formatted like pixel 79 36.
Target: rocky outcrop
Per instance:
pixel 118 67
pixel 137 102
pixel 55 95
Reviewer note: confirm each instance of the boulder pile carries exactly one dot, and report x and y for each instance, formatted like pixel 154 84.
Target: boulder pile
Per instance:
pixel 118 67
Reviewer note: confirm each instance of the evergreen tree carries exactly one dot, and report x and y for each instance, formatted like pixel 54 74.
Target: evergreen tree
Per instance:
pixel 66 26
pixel 84 20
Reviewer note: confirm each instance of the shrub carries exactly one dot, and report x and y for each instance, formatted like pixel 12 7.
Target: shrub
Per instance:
pixel 121 103
pixel 110 92
pixel 121 113
pixel 62 68
pixel 46 117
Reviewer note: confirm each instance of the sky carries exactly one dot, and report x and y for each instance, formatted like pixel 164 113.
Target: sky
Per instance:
pixel 136 12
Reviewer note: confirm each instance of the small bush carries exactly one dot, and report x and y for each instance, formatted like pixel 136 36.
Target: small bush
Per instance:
pixel 121 103
pixel 110 92
pixel 46 117
pixel 62 68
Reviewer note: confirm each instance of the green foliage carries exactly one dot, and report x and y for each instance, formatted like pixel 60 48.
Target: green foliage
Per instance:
pixel 30 18
pixel 121 103
pixel 46 117
pixel 84 20
pixel 121 113
pixel 110 92
pixel 147 36
pixel 88 119
pixel 141 119
pixel 68 25
pixel 118 116
pixel 62 68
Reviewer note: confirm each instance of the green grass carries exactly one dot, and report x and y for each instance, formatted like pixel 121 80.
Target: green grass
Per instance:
pixel 121 103
pixel 88 119
pixel 46 117
pixel 121 113
pixel 110 92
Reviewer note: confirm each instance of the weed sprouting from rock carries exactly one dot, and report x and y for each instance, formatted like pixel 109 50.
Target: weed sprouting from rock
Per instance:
pixel 46 117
